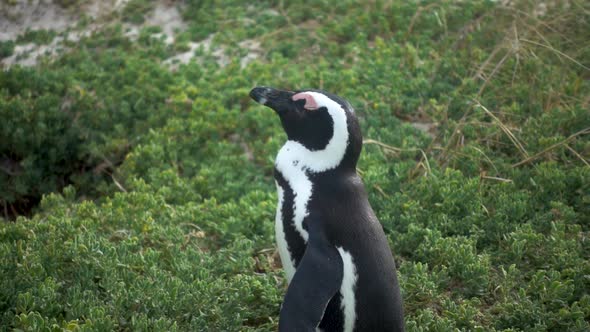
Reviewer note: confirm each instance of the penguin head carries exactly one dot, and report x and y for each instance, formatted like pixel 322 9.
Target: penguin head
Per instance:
pixel 318 120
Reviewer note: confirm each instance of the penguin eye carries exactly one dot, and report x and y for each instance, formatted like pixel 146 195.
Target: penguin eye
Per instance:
pixel 310 103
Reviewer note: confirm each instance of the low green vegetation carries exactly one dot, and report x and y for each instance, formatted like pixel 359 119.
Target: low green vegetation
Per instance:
pixel 135 197
pixel 135 10
pixel 6 48
pixel 40 37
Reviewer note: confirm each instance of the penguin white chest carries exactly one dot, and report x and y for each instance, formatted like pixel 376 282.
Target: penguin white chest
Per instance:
pixel 301 186
pixel 281 237
pixel 292 170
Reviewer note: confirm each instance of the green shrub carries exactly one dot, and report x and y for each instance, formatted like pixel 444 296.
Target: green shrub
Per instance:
pixel 40 37
pixel 73 122
pixel 137 267
pixel 135 11
pixel 6 48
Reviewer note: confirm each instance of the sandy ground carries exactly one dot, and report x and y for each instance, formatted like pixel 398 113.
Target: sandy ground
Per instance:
pixel 21 15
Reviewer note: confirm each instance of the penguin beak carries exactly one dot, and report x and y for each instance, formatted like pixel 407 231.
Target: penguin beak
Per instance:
pixel 280 101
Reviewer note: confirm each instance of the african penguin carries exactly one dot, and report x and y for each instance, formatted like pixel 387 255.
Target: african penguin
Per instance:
pixel 336 257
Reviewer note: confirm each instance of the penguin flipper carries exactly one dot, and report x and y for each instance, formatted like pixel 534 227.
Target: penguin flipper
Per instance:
pixel 317 279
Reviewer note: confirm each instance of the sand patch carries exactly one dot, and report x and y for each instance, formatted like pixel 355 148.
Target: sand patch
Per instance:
pixel 25 15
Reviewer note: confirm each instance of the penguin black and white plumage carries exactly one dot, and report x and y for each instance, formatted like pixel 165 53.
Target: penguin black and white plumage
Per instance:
pixel 336 258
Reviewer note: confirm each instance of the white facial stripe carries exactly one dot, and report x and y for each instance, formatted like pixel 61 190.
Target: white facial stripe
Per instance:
pixel 332 154
pixel 286 260
pixel 349 278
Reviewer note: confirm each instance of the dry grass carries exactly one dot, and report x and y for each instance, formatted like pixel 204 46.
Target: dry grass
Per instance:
pixel 554 37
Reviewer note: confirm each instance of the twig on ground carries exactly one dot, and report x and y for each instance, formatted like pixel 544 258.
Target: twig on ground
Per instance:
pixel 577 155
pixel 426 164
pixel 507 131
pixel 118 184
pixel 495 178
pixel 565 141
pixel 381 191
pixel 416 15
pixel 383 145
pixel 556 51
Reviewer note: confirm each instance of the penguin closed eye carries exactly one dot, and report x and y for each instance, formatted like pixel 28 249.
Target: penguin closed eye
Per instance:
pixel 335 255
